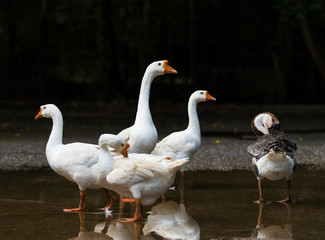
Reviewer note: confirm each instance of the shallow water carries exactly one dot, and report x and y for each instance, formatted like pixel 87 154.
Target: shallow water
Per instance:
pixel 217 204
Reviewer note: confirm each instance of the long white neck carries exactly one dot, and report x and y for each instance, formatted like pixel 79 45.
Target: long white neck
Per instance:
pixel 57 130
pixel 143 111
pixel 194 123
pixel 105 163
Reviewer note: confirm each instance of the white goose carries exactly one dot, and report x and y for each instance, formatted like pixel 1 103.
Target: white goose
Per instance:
pixel 184 144
pixel 107 143
pixel 143 177
pixel 76 162
pixel 273 153
pixel 143 136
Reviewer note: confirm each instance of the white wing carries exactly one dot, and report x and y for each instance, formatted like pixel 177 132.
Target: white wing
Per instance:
pixel 77 162
pixel 178 145
pixel 79 154
pixel 141 167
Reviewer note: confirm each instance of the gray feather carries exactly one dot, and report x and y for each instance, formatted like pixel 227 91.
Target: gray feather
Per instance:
pixel 277 142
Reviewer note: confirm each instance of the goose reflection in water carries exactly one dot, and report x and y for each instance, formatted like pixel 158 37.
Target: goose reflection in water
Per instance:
pixel 111 230
pixel 88 235
pixel 272 231
pixel 171 221
pixel 118 230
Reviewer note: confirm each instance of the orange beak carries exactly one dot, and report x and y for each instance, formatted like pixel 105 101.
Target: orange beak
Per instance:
pixel 125 150
pixel 39 115
pixel 209 97
pixel 168 69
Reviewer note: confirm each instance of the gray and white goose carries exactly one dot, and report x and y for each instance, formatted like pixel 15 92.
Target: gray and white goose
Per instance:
pixel 273 153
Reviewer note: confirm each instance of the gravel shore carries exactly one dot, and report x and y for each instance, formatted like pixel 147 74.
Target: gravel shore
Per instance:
pixel 221 154
pixel 225 131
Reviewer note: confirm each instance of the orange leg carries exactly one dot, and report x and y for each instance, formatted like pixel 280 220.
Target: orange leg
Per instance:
pixel 181 184
pixel 82 221
pixel 124 200
pixel 107 223
pixel 288 198
pixel 260 188
pixel 138 213
pixel 121 207
pixel 163 198
pixel 110 200
pixel 82 205
pixel 260 214
pixel 181 191
pixel 138 230
pixel 181 187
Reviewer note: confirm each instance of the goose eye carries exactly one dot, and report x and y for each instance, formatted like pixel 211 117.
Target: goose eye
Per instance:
pixel 159 64
pixel 201 92
pixel 122 145
pixel 44 107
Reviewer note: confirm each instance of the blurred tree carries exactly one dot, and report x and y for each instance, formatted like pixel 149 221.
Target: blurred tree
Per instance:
pixel 317 9
pixel 242 51
pixel 108 53
pixel 10 40
pixel 44 48
pixel 301 15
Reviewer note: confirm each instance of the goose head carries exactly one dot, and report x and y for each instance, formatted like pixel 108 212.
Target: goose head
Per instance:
pixel 265 123
pixel 47 111
pixel 160 68
pixel 202 96
pixel 114 141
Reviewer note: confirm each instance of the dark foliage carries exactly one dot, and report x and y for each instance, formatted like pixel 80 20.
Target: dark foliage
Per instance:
pixel 241 51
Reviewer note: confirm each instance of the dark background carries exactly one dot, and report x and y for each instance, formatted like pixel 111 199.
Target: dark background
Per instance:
pixel 251 51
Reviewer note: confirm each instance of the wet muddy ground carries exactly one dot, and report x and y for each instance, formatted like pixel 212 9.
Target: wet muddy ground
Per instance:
pixel 217 204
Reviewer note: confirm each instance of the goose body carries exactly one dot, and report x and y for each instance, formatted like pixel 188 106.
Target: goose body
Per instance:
pixel 75 165
pixel 274 166
pixel 184 144
pixel 273 152
pixel 142 135
pixel 134 175
pixel 143 177
pixel 77 162
pixel 107 143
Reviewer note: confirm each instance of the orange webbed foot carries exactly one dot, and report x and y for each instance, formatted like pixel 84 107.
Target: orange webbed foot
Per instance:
pixel 74 210
pixel 262 201
pixel 287 201
pixel 129 219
